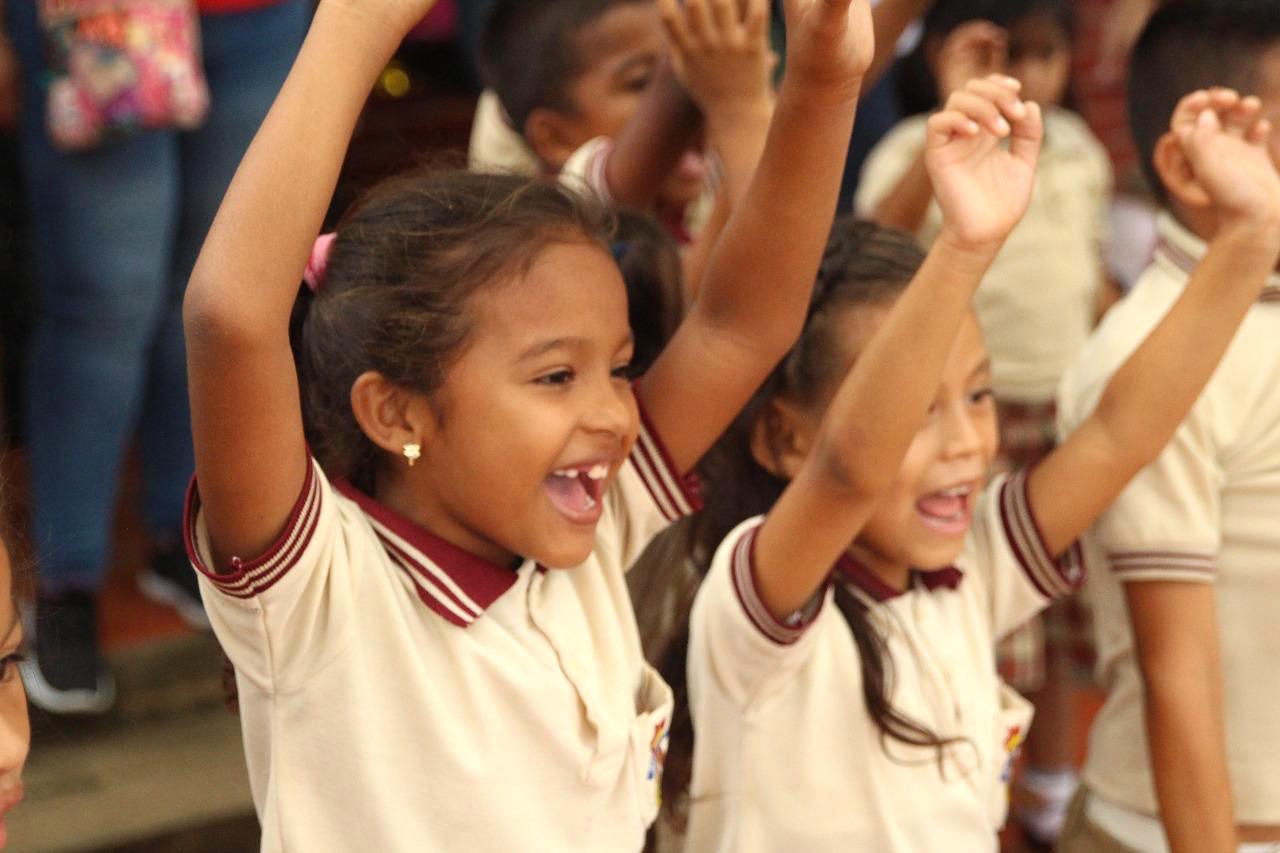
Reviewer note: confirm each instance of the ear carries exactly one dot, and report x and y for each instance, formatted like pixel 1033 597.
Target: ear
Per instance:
pixel 553 136
pixel 1178 177
pixel 781 438
pixel 390 416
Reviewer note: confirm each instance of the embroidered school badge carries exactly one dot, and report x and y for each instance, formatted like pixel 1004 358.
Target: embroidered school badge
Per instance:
pixel 1012 746
pixel 658 755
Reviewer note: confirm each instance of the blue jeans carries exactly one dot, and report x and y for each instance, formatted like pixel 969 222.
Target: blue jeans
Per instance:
pixel 116 233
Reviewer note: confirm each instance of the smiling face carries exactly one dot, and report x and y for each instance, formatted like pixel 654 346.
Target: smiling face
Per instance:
pixel 621 50
pixel 922 521
pixel 535 417
pixel 15 728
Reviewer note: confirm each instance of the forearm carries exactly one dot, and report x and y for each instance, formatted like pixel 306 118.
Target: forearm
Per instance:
pixel 1188 759
pixel 891 19
pixel 761 272
pixel 906 205
pixel 878 409
pixel 650 145
pixel 1147 398
pixel 738 135
pixel 252 261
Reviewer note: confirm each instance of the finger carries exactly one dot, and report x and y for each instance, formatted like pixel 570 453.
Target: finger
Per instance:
pixel 981 110
pixel 757 19
pixel 724 17
pixel 1260 133
pixel 1028 133
pixel 1002 96
pixel 673 22
pixel 1238 120
pixel 944 126
pixel 1188 108
pixel 697 21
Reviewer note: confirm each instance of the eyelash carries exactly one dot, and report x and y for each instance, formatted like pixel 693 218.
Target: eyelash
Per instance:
pixel 564 376
pixel 9 666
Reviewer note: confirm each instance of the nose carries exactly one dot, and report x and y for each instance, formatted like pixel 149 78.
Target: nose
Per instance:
pixel 961 436
pixel 611 409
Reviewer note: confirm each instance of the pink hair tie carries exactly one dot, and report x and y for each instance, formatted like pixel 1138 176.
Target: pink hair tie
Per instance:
pixel 318 263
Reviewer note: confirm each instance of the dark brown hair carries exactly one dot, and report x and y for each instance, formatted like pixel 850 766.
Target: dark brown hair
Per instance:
pixel 396 295
pixel 651 268
pixel 865 266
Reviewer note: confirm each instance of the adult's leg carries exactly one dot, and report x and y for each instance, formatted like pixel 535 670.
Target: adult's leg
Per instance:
pixel 102 224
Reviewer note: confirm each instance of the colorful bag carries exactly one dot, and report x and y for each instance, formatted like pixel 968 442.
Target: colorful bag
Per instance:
pixel 119 66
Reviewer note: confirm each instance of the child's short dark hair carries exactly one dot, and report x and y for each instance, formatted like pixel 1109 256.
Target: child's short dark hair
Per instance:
pixel 1189 45
pixel 397 291
pixel 529 53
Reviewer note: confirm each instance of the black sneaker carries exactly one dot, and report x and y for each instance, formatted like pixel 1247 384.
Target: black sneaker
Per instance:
pixel 66 674
pixel 170 580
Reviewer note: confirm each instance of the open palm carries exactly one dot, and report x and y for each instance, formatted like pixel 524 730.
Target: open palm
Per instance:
pixel 982 183
pixel 1226 140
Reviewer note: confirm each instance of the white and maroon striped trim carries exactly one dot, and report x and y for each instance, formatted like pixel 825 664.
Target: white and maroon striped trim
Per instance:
pixel 1162 565
pixel 433 584
pixel 595 173
pixel 1187 263
pixel 673 495
pixel 742 576
pixel 1052 578
pixel 250 578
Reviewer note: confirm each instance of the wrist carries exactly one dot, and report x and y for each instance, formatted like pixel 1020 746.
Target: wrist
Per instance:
pixel 731 113
pixel 1249 238
pixel 379 35
pixel 968 254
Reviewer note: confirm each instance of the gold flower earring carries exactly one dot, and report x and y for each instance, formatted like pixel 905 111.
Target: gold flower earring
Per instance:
pixel 413 452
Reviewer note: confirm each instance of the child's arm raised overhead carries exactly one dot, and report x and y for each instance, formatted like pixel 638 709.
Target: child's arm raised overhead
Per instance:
pixel 879 407
pixel 1225 142
pixel 753 297
pixel 245 410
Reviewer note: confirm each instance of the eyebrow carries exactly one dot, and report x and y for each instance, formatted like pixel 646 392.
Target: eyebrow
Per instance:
pixel 983 367
pixel 632 62
pixel 544 347
pixel 12 625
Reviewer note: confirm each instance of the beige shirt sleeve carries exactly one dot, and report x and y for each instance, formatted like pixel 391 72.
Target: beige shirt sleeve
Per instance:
pixel 734 642
pixel 495 145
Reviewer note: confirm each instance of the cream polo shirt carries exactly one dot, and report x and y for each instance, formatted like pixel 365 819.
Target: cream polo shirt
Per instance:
pixel 495 146
pixel 397 693
pixel 1037 303
pixel 786 757
pixel 1207 511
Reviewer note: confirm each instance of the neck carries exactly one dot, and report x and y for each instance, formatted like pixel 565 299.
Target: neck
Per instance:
pixel 411 497
pixel 894 574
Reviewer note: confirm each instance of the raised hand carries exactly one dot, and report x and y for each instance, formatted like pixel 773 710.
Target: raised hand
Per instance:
pixel 1226 141
pixel 982 184
pixel 830 43
pixel 720 51
pixel 972 50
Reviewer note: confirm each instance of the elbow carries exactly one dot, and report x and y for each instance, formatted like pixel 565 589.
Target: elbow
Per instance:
pixel 210 319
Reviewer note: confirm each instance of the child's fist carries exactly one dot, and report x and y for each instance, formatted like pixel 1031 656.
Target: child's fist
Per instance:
pixel 975 49
pixel 830 44
pixel 1226 142
pixel 720 50
pixel 983 185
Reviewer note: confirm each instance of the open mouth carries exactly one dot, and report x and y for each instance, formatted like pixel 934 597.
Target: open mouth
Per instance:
pixel 947 511
pixel 577 492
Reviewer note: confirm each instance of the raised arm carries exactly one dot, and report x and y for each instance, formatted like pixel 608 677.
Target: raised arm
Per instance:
pixel 246 415
pixel 721 53
pixel 1224 142
pixel 891 19
pixel 752 302
pixel 881 404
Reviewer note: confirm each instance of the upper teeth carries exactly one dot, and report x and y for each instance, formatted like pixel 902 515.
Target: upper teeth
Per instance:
pixel 595 472
pixel 957 492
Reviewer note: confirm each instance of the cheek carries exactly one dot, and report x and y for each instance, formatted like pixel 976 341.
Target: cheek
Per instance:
pixel 15 726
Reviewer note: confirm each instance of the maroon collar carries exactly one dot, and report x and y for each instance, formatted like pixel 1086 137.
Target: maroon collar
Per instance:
pixel 867 581
pixel 451 581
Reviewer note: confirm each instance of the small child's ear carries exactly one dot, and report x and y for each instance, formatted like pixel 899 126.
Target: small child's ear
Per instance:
pixel 553 136
pixel 388 415
pixel 781 438
pixel 1175 172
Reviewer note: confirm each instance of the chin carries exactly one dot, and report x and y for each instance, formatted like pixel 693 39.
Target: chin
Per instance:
pixel 566 553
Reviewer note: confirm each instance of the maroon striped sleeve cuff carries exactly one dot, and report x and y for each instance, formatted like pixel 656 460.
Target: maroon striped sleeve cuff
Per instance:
pixel 1052 577
pixel 675 495
pixel 784 632
pixel 1162 565
pixel 250 578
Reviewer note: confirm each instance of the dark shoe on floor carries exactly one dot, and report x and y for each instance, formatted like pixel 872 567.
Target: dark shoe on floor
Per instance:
pixel 170 580
pixel 66 674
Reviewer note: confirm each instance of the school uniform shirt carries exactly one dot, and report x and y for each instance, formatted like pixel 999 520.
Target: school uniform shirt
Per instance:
pixel 1207 511
pixel 1038 302
pixel 585 171
pixel 786 755
pixel 397 693
pixel 495 145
